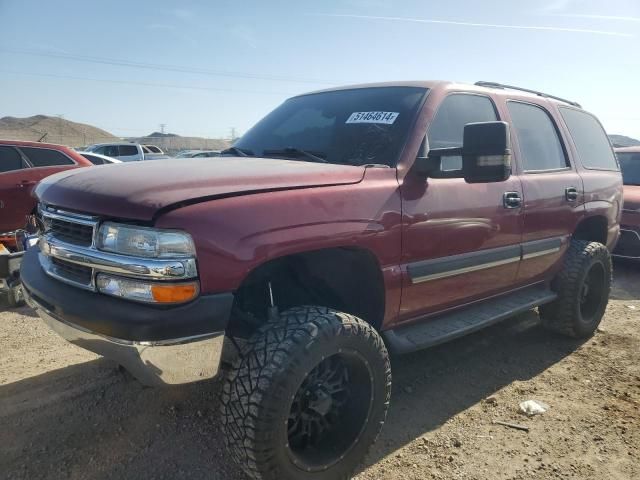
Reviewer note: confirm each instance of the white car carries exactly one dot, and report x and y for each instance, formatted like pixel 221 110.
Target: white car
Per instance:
pixel 98 159
pixel 126 152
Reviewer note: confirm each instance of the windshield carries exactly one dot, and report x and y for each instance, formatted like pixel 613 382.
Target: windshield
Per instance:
pixel 352 127
pixel 630 165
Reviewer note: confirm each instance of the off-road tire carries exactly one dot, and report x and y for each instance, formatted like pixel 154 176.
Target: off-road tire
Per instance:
pixel 565 315
pixel 258 390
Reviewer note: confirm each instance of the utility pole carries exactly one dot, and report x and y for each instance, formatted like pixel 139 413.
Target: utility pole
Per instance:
pixel 162 125
pixel 233 133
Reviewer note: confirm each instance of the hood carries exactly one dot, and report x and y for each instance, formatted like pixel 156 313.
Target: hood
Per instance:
pixel 138 190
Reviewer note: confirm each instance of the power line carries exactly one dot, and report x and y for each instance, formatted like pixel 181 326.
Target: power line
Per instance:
pixel 145 84
pixel 165 67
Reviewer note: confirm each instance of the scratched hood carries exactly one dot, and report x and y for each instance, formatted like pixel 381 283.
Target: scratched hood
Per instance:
pixel 138 190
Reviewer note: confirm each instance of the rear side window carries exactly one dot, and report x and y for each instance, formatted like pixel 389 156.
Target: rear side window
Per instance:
pixel 10 159
pixel 45 157
pixel 454 113
pixel 128 150
pixel 540 147
pixel 590 139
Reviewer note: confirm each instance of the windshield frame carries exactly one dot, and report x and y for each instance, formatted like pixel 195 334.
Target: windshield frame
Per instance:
pixel 393 160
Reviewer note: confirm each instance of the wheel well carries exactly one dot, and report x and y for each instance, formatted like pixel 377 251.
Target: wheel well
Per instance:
pixel 593 229
pixel 347 279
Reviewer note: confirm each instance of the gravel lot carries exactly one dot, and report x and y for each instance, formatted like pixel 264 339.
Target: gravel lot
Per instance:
pixel 66 413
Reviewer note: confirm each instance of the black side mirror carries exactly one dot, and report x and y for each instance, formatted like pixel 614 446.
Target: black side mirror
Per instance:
pixel 486 152
pixel 486 155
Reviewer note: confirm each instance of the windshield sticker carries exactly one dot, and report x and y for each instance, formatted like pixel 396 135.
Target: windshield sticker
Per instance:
pixel 386 118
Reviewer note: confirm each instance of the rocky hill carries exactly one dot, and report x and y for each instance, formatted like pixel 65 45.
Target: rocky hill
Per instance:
pixel 172 143
pixel 623 141
pixel 52 130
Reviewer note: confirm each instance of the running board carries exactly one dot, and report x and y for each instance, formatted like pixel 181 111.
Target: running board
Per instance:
pixel 434 331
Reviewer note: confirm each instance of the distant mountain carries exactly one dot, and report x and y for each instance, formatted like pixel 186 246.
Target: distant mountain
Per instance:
pixel 172 143
pixel 623 141
pixel 52 130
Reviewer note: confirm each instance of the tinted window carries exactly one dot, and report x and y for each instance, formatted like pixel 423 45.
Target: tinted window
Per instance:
pixel 630 165
pixel 453 114
pixel 591 141
pixel 540 147
pixel 44 157
pixel 109 151
pixel 127 150
pixel 93 159
pixel 355 127
pixel 9 159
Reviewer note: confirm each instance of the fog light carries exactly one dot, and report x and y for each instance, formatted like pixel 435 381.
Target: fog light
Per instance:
pixel 143 291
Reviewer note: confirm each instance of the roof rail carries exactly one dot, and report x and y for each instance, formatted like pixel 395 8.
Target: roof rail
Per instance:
pixel 535 92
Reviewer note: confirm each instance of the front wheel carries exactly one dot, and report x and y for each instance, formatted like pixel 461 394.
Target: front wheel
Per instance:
pixel 307 397
pixel 583 287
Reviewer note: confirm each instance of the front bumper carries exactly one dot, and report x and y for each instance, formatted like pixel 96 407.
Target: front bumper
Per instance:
pixel 158 345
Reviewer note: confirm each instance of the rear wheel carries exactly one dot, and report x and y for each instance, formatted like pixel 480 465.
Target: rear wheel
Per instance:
pixel 307 397
pixel 583 288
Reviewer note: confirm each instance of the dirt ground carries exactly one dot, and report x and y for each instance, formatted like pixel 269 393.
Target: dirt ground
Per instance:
pixel 66 413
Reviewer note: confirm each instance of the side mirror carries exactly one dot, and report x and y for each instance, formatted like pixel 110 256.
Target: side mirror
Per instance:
pixel 486 152
pixel 486 155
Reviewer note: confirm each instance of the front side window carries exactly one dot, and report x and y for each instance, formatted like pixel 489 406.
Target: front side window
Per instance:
pixel 45 157
pixel 10 159
pixel 630 166
pixel 351 127
pixel 590 139
pixel 109 151
pixel 447 128
pixel 540 147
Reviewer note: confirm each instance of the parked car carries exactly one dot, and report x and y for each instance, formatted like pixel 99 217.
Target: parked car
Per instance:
pixel 125 152
pixel 98 159
pixel 629 243
pixel 199 154
pixel 22 166
pixel 412 212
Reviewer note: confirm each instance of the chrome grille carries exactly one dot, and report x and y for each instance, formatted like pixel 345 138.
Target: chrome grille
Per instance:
pixel 70 232
pixel 73 272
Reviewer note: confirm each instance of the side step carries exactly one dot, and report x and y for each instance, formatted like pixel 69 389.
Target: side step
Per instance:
pixel 433 331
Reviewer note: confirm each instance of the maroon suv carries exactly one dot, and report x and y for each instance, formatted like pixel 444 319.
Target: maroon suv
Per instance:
pixel 347 223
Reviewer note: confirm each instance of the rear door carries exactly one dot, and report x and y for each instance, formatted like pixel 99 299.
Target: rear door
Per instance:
pixel 552 189
pixel 129 153
pixel 14 194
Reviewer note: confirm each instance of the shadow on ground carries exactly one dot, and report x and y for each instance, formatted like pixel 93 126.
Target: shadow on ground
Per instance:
pixel 93 421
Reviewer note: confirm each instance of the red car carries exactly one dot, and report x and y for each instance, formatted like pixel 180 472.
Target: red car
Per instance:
pixel 22 166
pixel 629 243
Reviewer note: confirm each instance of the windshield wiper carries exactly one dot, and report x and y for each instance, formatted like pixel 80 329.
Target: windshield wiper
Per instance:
pixel 241 152
pixel 292 151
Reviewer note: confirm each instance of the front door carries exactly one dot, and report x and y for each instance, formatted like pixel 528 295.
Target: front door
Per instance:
pixel 460 241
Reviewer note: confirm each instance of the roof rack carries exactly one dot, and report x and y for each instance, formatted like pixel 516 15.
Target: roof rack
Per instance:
pixel 535 92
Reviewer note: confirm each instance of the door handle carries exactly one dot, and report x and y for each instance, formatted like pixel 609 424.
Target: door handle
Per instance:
pixel 511 200
pixel 27 183
pixel 571 194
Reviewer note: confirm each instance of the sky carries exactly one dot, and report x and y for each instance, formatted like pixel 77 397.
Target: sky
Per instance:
pixel 205 67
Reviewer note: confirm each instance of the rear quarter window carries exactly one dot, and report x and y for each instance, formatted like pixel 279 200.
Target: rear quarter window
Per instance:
pixel 45 157
pixel 590 139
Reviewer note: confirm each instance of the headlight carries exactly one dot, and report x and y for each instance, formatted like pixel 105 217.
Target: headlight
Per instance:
pixel 144 291
pixel 144 242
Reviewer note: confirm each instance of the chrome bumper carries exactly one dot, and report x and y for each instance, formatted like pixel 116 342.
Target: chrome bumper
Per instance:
pixel 166 362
